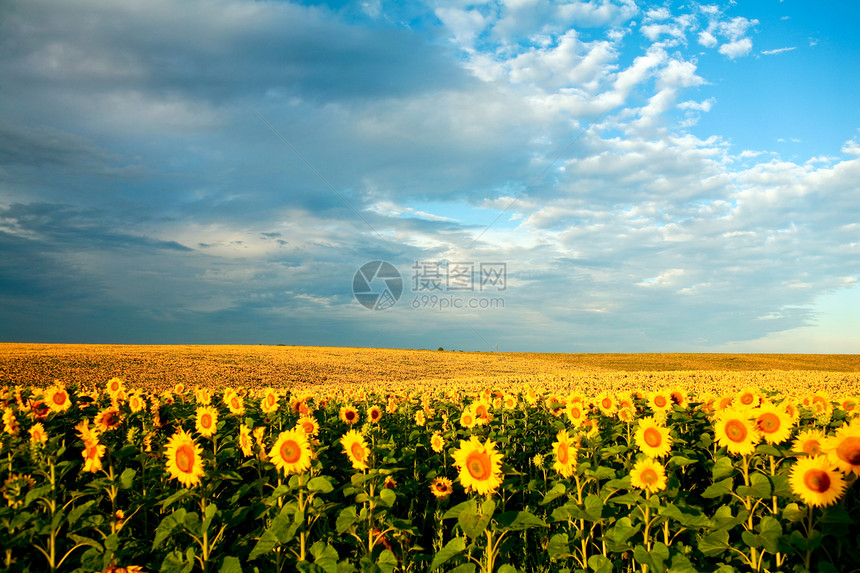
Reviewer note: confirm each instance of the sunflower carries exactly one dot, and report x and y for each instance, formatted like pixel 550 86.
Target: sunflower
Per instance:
pixel 773 423
pixel 649 475
pixel 575 411
pixel 809 442
pixel 136 402
pixel 659 400
pixel 184 462
pixel 203 396
pixel 38 434
pixel 236 404
pixel 291 452
pixel 269 402
pixel 843 449
pixel 481 408
pixel 107 419
pixel 16 487
pixel 607 404
pixel 653 438
pixel 115 386
pixel 207 421
pixel 309 425
pixel 85 433
pixel 747 398
pixel 437 443
pixel 510 401
pixel 10 423
pixel 374 414
pixel 57 398
pixel 356 449
pixel 467 418
pixel 480 465
pixel 246 443
pixel 441 487
pixel 179 388
pixel 348 414
pixel 565 454
pixel 93 452
pixel 679 397
pixel 734 430
pixel 816 480
pixel 420 419
pixel 626 414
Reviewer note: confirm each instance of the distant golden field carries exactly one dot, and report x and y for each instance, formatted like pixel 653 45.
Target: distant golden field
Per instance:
pixel 155 368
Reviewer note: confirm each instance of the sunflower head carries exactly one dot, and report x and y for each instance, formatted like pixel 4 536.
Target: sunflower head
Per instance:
pixel 565 452
pixel 816 481
pixel 843 449
pixel 441 487
pixel 649 475
pixel 653 438
pixel 480 465
pixel 735 430
pixel 184 461
pixel 291 453
pixel 356 449
pixel 207 421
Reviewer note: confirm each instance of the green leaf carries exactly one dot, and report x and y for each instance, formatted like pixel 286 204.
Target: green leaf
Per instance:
pixel 387 562
pixel 654 558
pixel 464 568
pixel 176 562
pixel 474 522
pixel 688 517
pixel 320 484
pixel 723 468
pixel 680 564
pixel 454 512
pixel 230 565
pixel 127 477
pixel 681 461
pixel 276 533
pixel 714 543
pixel 78 512
pixel 388 497
pixel 454 547
pixel 519 520
pixel 557 491
pixel 167 525
pixel 559 546
pixel 506 568
pixel 719 489
pixel 619 534
pixel 836 514
pixel 793 513
pixel 345 519
pixel 759 487
pixel 600 564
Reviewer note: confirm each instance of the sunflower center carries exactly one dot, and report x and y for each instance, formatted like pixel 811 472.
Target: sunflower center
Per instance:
pixel 660 401
pixel 652 437
pixel 185 458
pixel 849 450
pixel 768 422
pixel 736 430
pixel 607 403
pixel 676 398
pixel 563 454
pixel 234 402
pixel 817 480
pixel 746 399
pixel 649 476
pixel 60 398
pixel 812 447
pixel 206 420
pixel 291 452
pixel 358 451
pixel 478 464
pixel 349 415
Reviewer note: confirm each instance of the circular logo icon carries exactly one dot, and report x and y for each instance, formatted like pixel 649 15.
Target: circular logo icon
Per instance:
pixel 377 285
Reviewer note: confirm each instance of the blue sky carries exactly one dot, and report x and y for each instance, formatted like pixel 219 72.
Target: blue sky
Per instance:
pixel 653 176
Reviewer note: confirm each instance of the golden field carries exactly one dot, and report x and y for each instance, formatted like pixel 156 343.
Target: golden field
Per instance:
pixel 156 368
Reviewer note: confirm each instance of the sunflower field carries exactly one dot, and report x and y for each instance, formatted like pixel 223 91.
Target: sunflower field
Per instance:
pixel 511 477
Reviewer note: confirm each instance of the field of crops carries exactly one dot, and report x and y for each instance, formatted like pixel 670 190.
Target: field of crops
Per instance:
pixel 391 461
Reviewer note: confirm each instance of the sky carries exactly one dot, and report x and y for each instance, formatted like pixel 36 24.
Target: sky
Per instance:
pixel 524 175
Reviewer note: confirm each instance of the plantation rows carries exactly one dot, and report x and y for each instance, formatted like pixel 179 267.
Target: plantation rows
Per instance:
pixel 517 479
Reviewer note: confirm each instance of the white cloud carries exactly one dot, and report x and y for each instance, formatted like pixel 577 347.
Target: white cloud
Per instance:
pixel 778 51
pixel 737 48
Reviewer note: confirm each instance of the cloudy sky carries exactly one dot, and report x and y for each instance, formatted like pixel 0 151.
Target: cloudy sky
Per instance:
pixel 650 176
